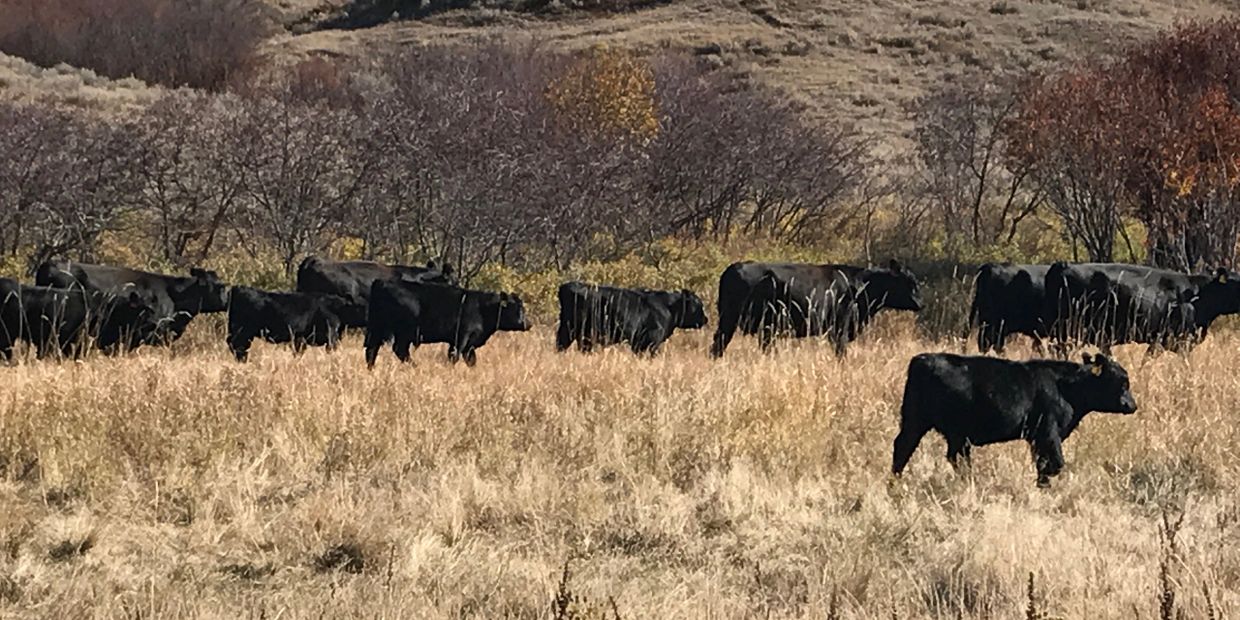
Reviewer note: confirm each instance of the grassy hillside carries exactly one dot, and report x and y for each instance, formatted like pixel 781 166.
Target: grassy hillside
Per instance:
pixel 858 60
pixel 25 82
pixel 866 59
pixel 186 485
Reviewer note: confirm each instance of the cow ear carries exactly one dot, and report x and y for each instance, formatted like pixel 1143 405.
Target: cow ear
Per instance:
pixel 1220 275
pixel 430 264
pixel 1087 360
pixel 446 268
pixel 197 272
pixel 895 266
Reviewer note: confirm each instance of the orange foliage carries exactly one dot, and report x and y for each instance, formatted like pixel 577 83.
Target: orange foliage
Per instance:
pixel 609 94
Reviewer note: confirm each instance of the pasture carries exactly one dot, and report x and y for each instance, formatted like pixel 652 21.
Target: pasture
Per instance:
pixel 182 484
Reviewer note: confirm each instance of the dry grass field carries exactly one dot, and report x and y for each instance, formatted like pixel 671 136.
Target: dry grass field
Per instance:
pixel 181 484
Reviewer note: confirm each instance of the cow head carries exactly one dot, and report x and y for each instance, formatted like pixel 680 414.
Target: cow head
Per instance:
pixel 205 291
pixel 691 312
pixel 1219 295
pixel 894 287
pixel 1105 386
pixel 512 313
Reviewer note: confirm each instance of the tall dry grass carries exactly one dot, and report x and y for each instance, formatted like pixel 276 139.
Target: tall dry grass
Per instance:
pixel 185 485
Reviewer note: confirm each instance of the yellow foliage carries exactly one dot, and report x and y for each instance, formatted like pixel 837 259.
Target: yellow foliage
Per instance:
pixel 349 248
pixel 608 94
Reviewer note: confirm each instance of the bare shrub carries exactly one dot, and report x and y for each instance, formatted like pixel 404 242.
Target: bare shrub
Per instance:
pixel 978 196
pixel 301 172
pixel 147 39
pixel 64 180
pixel 192 182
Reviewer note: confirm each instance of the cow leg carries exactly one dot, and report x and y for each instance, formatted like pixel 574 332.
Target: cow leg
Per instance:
pixel 41 347
pixel 644 345
pixel 1000 340
pixel 400 346
pixel 563 337
pixel 1048 456
pixel 1060 350
pixel 239 340
pixel 724 333
pixel 299 346
pixel 372 345
pixel 985 338
pixel 69 349
pixel 959 452
pixel 584 343
pixel 1038 347
pixel 465 348
pixel 766 336
pixel 904 447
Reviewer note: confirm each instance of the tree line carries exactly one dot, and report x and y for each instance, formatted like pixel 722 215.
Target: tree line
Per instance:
pixel 504 153
pixel 1151 136
pixel 516 154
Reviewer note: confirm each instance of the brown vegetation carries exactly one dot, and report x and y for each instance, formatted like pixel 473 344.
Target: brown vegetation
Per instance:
pixel 484 155
pixel 197 43
pixel 181 484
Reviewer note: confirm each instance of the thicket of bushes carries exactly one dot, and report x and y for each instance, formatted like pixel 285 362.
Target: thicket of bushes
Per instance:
pixel 506 155
pixel 197 43
pixel 1152 137
pixel 514 161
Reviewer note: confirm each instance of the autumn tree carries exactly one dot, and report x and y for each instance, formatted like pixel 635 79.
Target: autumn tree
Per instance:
pixel 1154 134
pixel 607 93
pixel 1184 131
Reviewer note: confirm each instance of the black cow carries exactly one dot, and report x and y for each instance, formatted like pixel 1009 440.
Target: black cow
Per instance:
pixel 1106 304
pixel 1008 299
pixel 414 313
pixel 974 401
pixel 175 300
pixel 602 315
pixel 304 319
pixel 65 319
pixel 352 279
pixel 808 300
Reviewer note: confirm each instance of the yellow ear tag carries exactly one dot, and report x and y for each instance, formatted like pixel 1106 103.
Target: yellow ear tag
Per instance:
pixel 1222 278
pixel 1096 369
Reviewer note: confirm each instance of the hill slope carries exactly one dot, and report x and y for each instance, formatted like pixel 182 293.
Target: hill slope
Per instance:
pixel 865 58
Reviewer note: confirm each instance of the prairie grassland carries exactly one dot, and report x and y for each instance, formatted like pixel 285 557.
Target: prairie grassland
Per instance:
pixel 185 485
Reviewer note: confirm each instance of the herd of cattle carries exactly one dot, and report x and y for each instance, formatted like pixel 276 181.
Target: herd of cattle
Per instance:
pixel 969 400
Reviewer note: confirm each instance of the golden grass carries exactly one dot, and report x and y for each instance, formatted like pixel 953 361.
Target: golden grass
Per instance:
pixel 186 485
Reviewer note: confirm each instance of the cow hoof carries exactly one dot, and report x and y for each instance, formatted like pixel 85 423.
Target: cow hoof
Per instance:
pixel 1044 483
